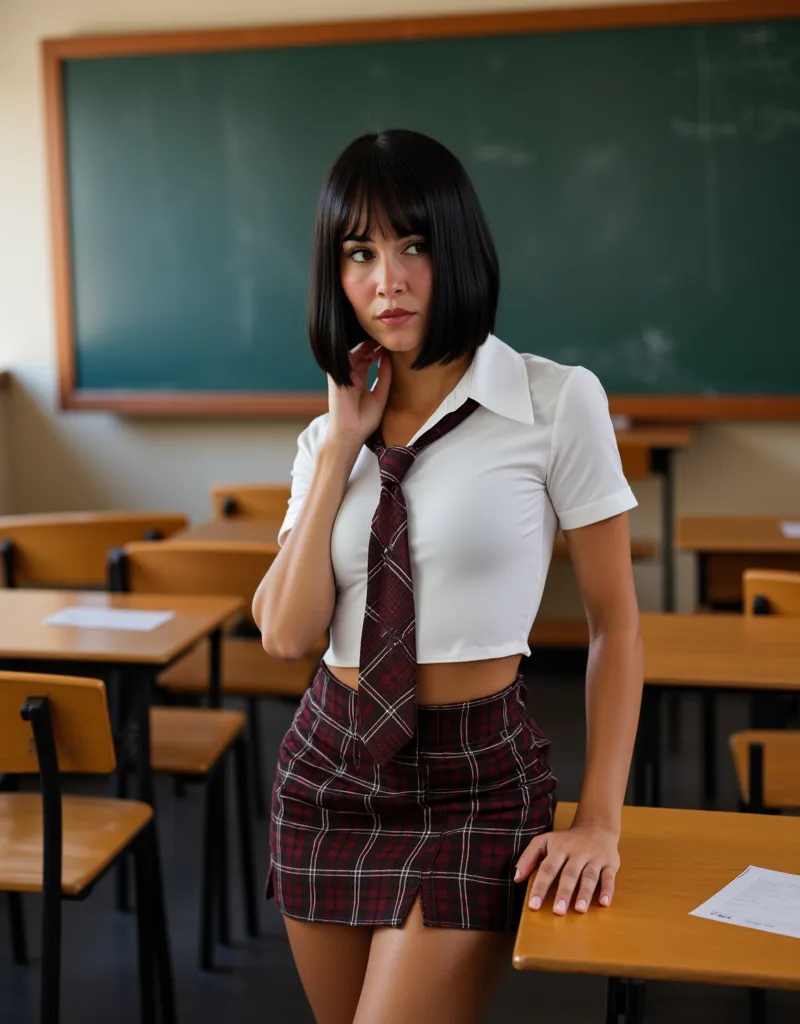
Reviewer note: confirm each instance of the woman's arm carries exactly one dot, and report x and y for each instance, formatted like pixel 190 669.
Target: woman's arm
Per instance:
pixel 586 855
pixel 294 603
pixel 601 558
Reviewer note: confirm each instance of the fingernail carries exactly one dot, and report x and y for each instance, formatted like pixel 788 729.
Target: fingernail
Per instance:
pixel 580 905
pixel 535 903
pixel 605 899
pixel 560 907
pixel 516 875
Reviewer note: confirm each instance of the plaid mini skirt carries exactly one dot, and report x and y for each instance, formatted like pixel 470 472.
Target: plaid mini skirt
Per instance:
pixel 353 842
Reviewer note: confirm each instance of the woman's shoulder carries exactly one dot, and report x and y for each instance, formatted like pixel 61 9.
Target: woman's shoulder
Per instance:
pixel 554 385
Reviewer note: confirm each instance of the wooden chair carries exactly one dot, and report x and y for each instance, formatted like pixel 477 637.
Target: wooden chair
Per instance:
pixel 70 549
pixel 251 501
pixel 767 761
pixel 771 592
pixel 247 671
pixel 61 846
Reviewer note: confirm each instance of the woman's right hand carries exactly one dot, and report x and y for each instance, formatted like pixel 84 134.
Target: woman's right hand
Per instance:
pixel 355 411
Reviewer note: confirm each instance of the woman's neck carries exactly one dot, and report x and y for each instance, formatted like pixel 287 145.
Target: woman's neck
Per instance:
pixel 420 392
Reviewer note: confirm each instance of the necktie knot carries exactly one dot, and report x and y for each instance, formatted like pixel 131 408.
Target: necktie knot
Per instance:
pixel 394 462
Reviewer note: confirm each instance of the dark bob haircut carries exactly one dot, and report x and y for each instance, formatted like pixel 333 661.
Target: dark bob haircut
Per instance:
pixel 409 184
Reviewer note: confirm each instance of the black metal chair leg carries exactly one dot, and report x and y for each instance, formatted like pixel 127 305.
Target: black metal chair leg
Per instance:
pixel 161 945
pixel 254 729
pixel 224 918
pixel 209 878
pixel 246 839
pixel 16 919
pixel 142 862
pixel 51 958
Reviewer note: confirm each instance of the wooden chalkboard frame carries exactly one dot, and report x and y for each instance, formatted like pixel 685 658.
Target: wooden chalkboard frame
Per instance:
pixel 653 408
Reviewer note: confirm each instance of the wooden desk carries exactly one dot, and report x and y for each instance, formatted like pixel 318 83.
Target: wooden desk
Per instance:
pixel 727 545
pixel 710 653
pixel 672 861
pixel 136 658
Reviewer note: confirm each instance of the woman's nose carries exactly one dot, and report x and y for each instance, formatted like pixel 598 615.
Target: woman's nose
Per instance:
pixel 390 278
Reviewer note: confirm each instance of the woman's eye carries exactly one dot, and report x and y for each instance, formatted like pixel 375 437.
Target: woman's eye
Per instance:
pixel 419 246
pixel 360 255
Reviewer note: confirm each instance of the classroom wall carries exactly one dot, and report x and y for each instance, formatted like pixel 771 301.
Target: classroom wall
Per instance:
pixel 91 460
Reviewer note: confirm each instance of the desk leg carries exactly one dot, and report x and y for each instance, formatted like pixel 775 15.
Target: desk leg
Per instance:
pixel 757 1006
pixel 625 998
pixel 215 669
pixel 709 725
pixel 647 752
pixel 140 680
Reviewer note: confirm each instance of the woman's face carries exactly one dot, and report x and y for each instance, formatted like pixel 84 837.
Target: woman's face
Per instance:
pixel 389 283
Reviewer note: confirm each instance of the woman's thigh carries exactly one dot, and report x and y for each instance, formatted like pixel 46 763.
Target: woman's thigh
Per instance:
pixel 431 975
pixel 332 961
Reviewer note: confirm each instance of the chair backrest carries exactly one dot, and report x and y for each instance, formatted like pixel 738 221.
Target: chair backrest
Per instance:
pixel 771 592
pixel 251 501
pixel 79 716
pixel 70 549
pixel 197 567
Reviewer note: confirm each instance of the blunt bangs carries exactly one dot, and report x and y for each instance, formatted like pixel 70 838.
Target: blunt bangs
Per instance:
pixel 405 184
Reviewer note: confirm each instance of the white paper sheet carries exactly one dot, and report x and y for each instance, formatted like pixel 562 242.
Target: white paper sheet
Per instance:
pixel 790 530
pixel 759 898
pixel 109 618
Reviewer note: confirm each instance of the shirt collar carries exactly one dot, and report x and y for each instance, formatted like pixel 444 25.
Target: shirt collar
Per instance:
pixel 497 379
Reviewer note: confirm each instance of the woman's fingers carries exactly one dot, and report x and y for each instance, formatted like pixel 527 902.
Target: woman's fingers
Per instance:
pixel 545 876
pixel 608 881
pixel 590 876
pixel 530 857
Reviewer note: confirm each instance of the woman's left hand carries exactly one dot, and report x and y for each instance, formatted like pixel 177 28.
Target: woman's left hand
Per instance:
pixel 586 855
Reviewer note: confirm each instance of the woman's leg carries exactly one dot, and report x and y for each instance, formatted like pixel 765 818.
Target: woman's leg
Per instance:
pixel 332 961
pixel 431 975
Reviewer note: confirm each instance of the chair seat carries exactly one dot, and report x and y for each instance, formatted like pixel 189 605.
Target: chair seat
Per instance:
pixel 247 671
pixel 190 741
pixel 95 831
pixel 781 765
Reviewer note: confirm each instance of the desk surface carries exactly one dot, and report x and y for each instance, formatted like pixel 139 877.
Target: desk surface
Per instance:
pixel 22 634
pixel 740 651
pixel 672 861
pixel 735 533
pixel 262 531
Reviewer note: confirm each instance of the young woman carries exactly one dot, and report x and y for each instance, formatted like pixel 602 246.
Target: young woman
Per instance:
pixel 413 795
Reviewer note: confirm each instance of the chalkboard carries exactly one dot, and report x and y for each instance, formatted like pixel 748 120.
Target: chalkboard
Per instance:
pixel 642 185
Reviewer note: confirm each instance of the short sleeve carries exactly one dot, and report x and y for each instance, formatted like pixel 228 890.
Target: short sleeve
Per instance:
pixel 308 443
pixel 585 479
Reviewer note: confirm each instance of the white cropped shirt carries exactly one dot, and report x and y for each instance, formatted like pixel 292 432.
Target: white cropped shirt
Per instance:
pixel 484 505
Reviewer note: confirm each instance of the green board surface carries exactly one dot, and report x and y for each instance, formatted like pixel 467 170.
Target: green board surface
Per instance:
pixel 642 185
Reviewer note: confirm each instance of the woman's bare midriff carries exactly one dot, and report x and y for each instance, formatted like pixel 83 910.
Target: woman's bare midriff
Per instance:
pixel 453 681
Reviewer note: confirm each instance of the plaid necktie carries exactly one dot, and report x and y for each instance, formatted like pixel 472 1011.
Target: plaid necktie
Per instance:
pixel 387 678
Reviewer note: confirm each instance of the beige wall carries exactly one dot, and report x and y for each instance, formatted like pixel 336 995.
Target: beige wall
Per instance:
pixel 80 460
